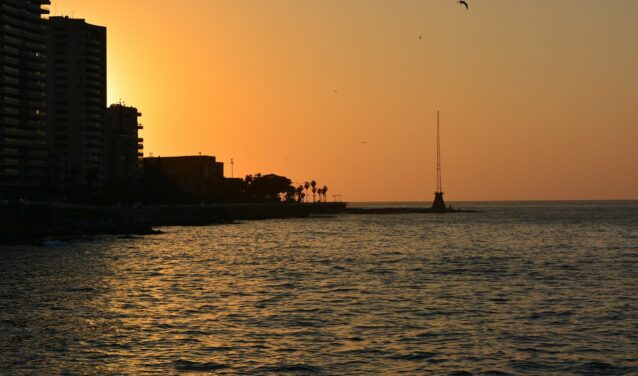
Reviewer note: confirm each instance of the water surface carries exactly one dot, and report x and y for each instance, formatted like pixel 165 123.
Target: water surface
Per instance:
pixel 524 288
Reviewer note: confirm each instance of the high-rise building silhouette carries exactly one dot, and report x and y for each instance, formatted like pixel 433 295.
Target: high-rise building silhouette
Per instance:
pixel 23 160
pixel 76 97
pixel 124 149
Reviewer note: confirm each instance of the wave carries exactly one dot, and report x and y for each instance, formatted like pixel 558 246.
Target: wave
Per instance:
pixel 188 366
pixel 415 356
pixel 290 368
pixel 602 368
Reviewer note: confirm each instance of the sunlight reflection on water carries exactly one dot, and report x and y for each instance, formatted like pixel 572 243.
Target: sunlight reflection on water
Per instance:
pixel 520 289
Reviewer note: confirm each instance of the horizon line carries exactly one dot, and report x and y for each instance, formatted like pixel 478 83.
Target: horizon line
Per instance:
pixel 495 201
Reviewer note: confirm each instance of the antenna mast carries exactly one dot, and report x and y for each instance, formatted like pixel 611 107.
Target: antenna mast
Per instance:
pixel 438 154
pixel 438 206
pixel 232 168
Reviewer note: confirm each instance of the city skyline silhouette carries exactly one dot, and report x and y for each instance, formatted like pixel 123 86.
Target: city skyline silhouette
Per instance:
pixel 537 96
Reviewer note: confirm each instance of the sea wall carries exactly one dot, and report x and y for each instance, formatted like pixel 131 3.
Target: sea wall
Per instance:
pixel 20 221
pixel 205 214
pixel 194 215
pixel 29 221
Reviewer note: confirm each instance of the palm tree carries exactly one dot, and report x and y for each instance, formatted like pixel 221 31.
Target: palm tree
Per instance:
pixel 324 190
pixel 290 194
pixel 313 184
pixel 300 194
pixel 306 185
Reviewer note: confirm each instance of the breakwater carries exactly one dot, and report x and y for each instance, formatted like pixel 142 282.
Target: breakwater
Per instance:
pixel 194 215
pixel 26 222
pixel 22 222
pixel 402 210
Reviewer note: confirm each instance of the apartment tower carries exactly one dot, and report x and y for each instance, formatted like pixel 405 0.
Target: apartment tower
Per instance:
pixel 76 100
pixel 23 159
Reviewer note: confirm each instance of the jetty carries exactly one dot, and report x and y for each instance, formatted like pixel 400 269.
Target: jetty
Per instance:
pixel 402 210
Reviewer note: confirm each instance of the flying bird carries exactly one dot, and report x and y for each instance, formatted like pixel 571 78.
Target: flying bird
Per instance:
pixel 463 2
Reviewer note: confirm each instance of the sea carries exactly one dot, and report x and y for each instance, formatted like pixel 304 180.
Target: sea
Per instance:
pixel 518 288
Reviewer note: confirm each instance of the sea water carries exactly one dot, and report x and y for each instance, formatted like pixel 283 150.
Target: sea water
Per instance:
pixel 521 289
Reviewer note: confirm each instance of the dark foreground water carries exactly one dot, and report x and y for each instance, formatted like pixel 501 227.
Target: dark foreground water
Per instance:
pixel 532 289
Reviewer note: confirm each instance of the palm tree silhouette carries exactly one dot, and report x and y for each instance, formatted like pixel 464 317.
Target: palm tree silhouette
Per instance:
pixel 324 190
pixel 313 184
pixel 306 185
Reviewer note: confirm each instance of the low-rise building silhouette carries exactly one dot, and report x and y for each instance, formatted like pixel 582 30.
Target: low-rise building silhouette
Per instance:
pixel 182 178
pixel 23 159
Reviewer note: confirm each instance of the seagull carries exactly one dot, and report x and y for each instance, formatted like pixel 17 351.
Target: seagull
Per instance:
pixel 463 2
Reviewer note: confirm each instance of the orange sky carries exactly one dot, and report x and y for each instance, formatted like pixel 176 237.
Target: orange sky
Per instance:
pixel 538 98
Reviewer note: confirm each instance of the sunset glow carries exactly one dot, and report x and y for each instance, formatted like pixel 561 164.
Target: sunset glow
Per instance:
pixel 537 98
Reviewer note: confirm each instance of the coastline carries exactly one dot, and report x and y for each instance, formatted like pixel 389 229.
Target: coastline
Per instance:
pixel 403 210
pixel 34 222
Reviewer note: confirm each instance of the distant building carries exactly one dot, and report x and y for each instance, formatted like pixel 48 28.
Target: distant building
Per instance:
pixel 23 160
pixel 124 148
pixel 190 175
pixel 76 91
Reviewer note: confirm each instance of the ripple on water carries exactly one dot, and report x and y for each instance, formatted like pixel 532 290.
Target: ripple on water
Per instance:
pixel 495 373
pixel 526 290
pixel 602 368
pixel 190 366
pixel 290 368
pixel 415 356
